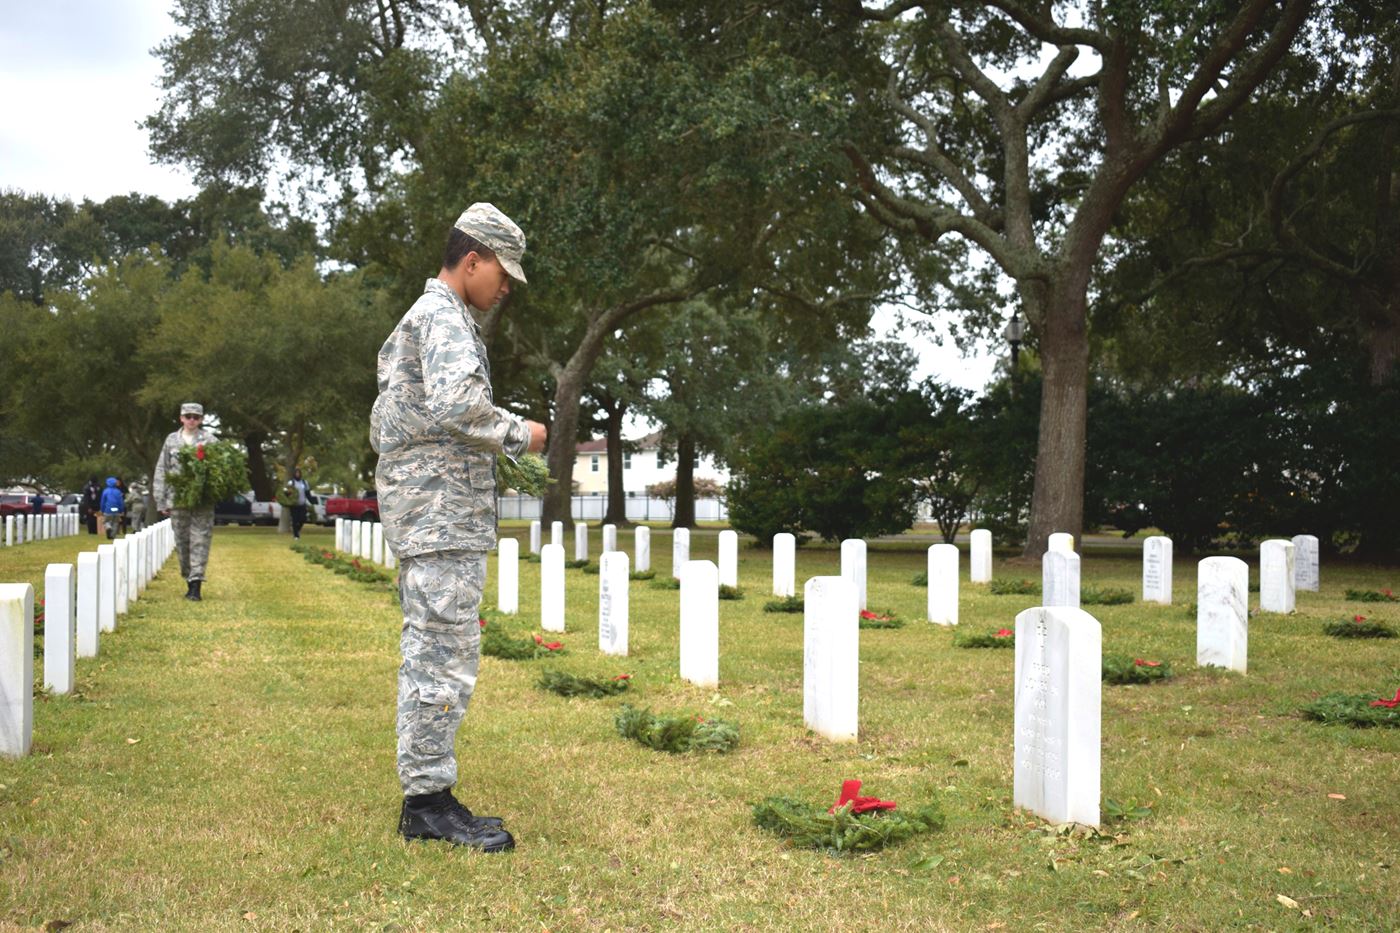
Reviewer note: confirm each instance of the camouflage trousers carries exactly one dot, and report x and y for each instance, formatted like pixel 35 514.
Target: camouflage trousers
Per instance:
pixel 194 529
pixel 441 645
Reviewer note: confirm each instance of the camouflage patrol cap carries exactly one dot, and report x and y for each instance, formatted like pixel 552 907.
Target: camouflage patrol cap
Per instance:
pixel 192 408
pixel 496 232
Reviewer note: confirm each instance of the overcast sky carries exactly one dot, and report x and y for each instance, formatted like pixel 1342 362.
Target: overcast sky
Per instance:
pixel 77 78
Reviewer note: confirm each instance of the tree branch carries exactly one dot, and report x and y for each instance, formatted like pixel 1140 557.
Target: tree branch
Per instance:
pixel 1044 28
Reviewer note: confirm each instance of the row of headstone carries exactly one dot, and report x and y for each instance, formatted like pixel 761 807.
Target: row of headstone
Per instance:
pixel 364 540
pixel 80 603
pixel 30 527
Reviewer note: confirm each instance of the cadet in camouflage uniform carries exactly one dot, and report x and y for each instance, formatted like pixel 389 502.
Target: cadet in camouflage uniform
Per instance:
pixel 194 528
pixel 437 432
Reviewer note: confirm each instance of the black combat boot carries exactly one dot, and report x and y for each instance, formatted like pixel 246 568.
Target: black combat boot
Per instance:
pixel 440 816
pixel 193 594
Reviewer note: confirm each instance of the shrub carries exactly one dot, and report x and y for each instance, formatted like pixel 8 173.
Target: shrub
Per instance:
pixel 1121 669
pixel 786 604
pixel 1104 596
pixel 1014 588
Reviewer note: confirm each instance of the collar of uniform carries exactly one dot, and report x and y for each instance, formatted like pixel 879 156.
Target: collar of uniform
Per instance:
pixel 442 289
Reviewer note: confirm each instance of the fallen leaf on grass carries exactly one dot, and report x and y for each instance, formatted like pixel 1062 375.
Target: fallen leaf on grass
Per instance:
pixel 927 863
pixel 132 741
pixel 1337 796
pixel 1285 870
pixel 54 925
pixel 1286 901
pixel 250 916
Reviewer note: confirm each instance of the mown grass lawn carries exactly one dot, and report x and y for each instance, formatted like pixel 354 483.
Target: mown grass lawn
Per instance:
pixel 230 765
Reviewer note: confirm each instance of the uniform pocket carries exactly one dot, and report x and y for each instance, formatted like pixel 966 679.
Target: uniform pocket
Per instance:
pixel 437 719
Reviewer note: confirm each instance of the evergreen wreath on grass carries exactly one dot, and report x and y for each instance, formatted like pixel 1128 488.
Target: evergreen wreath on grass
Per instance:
pixel 568 685
pixel 854 824
pixel 1121 669
pixel 1104 596
pixel 532 559
pixel 920 579
pixel 992 638
pixel 730 592
pixel 1358 710
pixel 676 734
pixel 497 644
pixel 353 568
pixel 1358 627
pixel 667 583
pixel 528 475
pixel 592 569
pixel 208 474
pixel 786 604
pixel 1372 596
pixel 880 619
pixel 643 575
pixel 576 564
pixel 1014 588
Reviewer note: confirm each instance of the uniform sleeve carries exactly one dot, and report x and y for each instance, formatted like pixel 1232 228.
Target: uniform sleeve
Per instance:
pixel 159 488
pixel 455 390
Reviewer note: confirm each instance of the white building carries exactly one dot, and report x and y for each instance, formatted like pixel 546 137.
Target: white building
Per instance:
pixel 642 467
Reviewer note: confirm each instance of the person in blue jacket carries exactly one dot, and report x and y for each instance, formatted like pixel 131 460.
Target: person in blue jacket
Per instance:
pixel 113 507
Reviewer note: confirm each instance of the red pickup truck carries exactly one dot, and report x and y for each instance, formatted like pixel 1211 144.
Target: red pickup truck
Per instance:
pixel 364 509
pixel 18 504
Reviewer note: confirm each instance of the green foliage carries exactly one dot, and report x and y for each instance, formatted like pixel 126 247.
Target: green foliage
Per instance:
pixel 786 604
pixel 496 643
pixel 642 575
pixel 999 587
pixel 1115 811
pixel 576 564
pixel 352 567
pixel 676 734
pixel 1104 596
pixel 808 827
pixel 528 476
pixel 208 474
pixel 1358 627
pixel 569 685
pixel 1354 710
pixel 1372 596
pixel 880 619
pixel 730 592
pixel 666 583
pixel 987 639
pixel 919 579
pixel 591 569
pixel 1121 669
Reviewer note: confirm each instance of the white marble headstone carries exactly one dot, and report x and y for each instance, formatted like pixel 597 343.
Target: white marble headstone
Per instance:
pixel 1157 570
pixel 376 544
pixel 700 623
pixel 16 669
pixel 89 599
pixel 981 568
pixel 680 550
pixel 609 538
pixel 508 576
pixel 356 531
pixel 1276 568
pixel 642 543
pixel 784 564
pixel 580 541
pixel 1222 613
pixel 943 584
pixel 107 588
pixel 1059 579
pixel 1305 571
pixel 1059 670
pixel 9 531
pixel 121 553
pixel 1061 541
pixel 853 566
pixel 534 537
pixel 728 558
pixel 556 533
pixel 613 575
pixel 552 588
pixel 831 658
pixel 60 627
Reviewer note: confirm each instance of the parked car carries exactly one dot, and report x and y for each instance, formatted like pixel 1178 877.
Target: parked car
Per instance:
pixel 365 508
pixel 235 511
pixel 68 504
pixel 17 503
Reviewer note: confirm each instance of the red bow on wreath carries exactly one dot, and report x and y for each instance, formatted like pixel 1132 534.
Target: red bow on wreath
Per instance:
pixel 849 795
pixel 1141 663
pixel 551 645
pixel 1388 704
pixel 1004 633
pixel 199 451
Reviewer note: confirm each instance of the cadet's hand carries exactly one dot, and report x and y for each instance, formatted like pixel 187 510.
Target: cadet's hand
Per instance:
pixel 538 435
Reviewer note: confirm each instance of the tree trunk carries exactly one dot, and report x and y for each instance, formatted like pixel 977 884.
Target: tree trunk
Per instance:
pixel 617 494
pixel 685 482
pixel 563 442
pixel 257 467
pixel 1057 502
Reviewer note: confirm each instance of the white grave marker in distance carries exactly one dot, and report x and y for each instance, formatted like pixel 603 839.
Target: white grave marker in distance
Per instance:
pixel 609 538
pixel 121 554
pixel 16 668
pixel 943 584
pixel 642 544
pixel 1059 579
pixel 580 541
pixel 784 564
pixel 1305 570
pixel 1061 541
pixel 680 550
pixel 728 558
pixel 89 599
pixel 700 623
pixel 1059 671
pixel 1157 570
pixel 552 588
pixel 1222 613
pixel 535 537
pixel 376 544
pixel 508 576
pixel 1276 560
pixel 556 533
pixel 106 588
pixel 981 559
pixel 853 566
pixel 60 628
pixel 831 658
pixel 613 575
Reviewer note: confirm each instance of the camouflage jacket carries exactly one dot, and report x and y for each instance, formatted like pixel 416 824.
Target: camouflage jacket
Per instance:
pixel 168 462
pixel 437 430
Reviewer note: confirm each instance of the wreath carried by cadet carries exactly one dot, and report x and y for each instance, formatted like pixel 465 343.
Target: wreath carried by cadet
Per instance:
pixel 208 474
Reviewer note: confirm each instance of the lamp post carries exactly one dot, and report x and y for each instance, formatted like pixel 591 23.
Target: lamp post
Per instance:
pixel 1013 333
